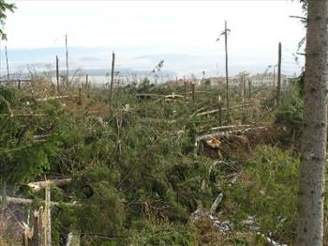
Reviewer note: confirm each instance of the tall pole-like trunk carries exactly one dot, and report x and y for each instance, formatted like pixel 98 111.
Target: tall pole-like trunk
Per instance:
pixel 274 77
pixel 67 68
pixel 57 74
pixel 312 169
pixel 7 64
pixel 249 89
pixel 226 67
pixel 279 74
pixel 112 79
pixel 243 97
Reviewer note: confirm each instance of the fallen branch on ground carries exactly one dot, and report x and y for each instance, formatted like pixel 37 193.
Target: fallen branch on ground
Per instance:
pixel 25 201
pixel 227 133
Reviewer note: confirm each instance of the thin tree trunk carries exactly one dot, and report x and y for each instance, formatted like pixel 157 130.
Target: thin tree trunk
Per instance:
pixel 193 91
pixel 48 216
pixel 279 74
pixel 226 67
pixel 112 79
pixel 7 63
pixel 57 74
pixel 312 170
pixel 243 97
pixel 67 68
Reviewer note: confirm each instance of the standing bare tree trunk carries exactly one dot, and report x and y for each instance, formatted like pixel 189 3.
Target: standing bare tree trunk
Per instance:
pixel 312 170
pixel 57 74
pixel 279 74
pixel 67 69
pixel 226 67
pixel 7 63
pixel 112 79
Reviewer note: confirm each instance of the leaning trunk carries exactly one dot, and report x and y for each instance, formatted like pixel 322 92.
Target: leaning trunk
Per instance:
pixel 312 180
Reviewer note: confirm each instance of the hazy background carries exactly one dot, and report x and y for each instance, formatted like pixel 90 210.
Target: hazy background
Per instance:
pixel 183 33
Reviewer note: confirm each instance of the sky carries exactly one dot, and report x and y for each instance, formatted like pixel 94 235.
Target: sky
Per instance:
pixel 141 33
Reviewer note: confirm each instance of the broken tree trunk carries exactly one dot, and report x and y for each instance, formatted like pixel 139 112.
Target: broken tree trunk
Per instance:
pixel 39 185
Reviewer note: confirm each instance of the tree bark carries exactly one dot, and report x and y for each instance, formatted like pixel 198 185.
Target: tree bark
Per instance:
pixel 312 169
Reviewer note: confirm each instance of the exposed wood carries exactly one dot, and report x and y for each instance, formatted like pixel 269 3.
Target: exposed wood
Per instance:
pixel 227 133
pixel 39 185
pixel 51 98
pixel 47 214
pixel 173 97
pixel 229 127
pixel 73 239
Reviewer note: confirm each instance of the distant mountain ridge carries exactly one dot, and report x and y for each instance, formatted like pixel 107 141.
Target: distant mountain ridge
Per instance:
pixel 96 60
